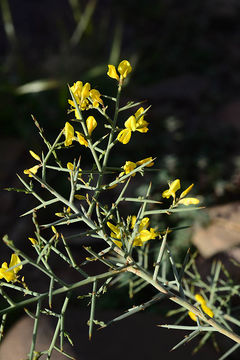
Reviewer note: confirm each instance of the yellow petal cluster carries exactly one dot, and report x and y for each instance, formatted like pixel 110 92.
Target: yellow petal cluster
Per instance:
pixel 127 168
pixel 70 136
pixel 115 233
pixel 173 188
pixel 11 275
pixel 134 123
pixel 124 68
pixel 130 166
pixel 70 167
pixel 204 307
pixel 33 170
pixel 143 234
pixel 85 97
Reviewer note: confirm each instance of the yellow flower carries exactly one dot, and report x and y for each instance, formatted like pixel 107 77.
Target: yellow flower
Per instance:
pixel 81 139
pixel 124 136
pixel 192 316
pixel 55 231
pixel 124 68
pixel 91 124
pixel 71 168
pixel 35 156
pixel 185 192
pixel 200 299
pixel 69 134
pixel 32 170
pixel 207 310
pixel 85 92
pixel 82 94
pixel 112 72
pixel 115 233
pixel 79 197
pixel 95 97
pixel 128 167
pixel 33 241
pixel 189 201
pixel 143 161
pixel 77 90
pixel 11 275
pixel 204 307
pixel 66 212
pixel 173 187
pixel 143 234
pixel 135 122
pixel 80 91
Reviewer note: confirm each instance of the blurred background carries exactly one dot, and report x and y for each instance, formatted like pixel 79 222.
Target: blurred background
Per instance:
pixel 185 58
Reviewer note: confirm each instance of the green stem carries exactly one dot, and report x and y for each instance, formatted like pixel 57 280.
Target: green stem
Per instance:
pixel 51 149
pixel 35 329
pixel 178 300
pixel 62 290
pixel 85 130
pixel 107 153
pixel 93 301
pixel 54 339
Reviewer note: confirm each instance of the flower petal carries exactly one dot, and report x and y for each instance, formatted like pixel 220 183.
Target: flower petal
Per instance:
pixel 85 91
pixel 200 299
pixel 143 161
pixel 112 72
pixel 144 224
pixel 207 310
pixel 185 192
pixel 115 230
pixel 189 201
pixel 130 123
pixel 91 124
pixel 124 68
pixel 32 170
pixel 69 134
pixel 95 96
pixel 124 136
pixel 145 235
pixel 192 316
pixel 173 187
pixel 14 261
pixel 35 156
pixel 128 167
pixel 81 139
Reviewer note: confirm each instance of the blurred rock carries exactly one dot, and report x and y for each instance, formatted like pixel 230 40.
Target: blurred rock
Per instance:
pixel 222 233
pixel 16 344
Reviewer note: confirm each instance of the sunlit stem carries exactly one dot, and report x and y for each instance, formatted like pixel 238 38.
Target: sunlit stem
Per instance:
pixel 107 153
